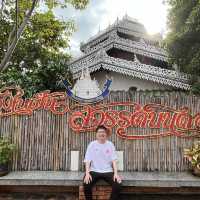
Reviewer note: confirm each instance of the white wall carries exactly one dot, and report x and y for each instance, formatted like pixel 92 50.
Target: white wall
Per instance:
pixel 124 82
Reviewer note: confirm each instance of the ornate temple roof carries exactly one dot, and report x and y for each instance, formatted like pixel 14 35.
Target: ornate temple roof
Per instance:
pixel 131 36
pixel 127 24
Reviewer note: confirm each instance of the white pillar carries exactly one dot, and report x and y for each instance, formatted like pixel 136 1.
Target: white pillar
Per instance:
pixel 74 160
pixel 120 162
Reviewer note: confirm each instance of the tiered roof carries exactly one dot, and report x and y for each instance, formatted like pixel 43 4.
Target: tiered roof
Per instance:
pixel 128 35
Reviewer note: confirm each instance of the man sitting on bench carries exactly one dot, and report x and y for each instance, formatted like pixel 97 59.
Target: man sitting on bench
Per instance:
pixel 100 163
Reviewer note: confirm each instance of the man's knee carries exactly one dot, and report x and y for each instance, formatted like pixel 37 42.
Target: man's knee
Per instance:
pixel 87 186
pixel 117 186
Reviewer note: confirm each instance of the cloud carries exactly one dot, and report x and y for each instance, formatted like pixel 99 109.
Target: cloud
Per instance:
pixel 101 13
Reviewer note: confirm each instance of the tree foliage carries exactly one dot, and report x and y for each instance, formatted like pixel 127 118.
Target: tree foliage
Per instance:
pixel 39 58
pixel 183 38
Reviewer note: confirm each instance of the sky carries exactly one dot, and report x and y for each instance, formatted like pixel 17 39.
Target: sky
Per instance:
pixel 100 13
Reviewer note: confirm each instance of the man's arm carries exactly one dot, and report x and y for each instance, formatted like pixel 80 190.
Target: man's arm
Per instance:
pixel 87 162
pixel 116 176
pixel 88 177
pixel 87 167
pixel 114 164
pixel 114 159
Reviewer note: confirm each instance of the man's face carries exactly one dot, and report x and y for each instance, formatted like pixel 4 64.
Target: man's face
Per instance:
pixel 101 135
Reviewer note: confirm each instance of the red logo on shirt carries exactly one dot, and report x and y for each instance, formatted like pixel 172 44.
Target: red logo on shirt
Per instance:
pixel 107 151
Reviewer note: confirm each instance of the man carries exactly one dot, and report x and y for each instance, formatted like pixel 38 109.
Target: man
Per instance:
pixel 100 163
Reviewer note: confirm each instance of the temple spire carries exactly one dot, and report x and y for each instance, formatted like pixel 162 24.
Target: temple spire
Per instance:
pixel 99 29
pixel 87 73
pixel 82 74
pixel 85 87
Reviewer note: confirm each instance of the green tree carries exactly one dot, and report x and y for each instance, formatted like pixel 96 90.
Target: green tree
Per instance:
pixel 183 38
pixel 39 58
pixel 24 9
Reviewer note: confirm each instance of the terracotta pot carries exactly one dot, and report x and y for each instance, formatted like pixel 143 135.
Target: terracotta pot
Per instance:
pixel 196 171
pixel 3 169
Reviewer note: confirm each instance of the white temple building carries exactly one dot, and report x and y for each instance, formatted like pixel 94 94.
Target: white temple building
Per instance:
pixel 134 60
pixel 85 87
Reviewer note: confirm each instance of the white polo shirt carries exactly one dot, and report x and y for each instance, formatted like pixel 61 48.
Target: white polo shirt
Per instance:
pixel 101 156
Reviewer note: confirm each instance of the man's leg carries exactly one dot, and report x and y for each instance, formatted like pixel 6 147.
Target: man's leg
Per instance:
pixel 116 187
pixel 88 187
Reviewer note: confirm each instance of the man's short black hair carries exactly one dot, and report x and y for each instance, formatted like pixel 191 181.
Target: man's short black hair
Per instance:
pixel 102 127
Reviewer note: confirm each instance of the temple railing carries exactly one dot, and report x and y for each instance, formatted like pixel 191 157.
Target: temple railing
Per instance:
pixel 134 68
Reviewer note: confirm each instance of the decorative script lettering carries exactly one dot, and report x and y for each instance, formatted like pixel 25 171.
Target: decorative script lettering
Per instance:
pixel 128 118
pixel 12 102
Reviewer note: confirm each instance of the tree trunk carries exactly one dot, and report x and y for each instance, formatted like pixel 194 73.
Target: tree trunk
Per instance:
pixel 5 61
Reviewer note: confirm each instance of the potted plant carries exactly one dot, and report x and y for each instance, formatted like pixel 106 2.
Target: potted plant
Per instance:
pixel 193 155
pixel 6 149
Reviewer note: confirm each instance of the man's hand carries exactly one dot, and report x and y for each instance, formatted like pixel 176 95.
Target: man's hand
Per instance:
pixel 117 178
pixel 88 178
